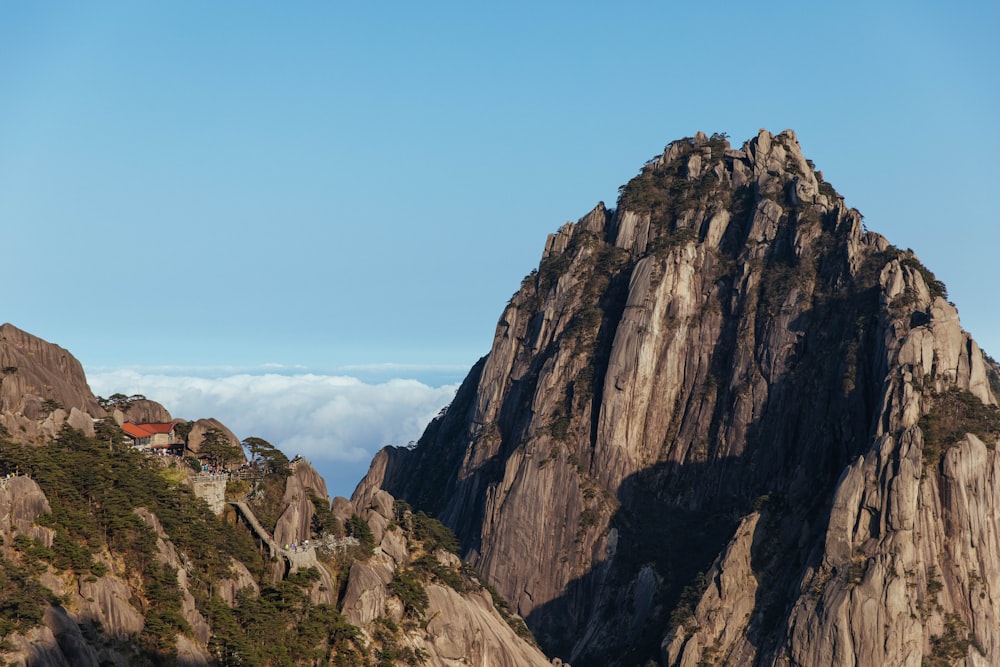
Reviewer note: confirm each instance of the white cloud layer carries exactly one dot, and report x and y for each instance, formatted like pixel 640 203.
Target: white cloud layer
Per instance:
pixel 325 418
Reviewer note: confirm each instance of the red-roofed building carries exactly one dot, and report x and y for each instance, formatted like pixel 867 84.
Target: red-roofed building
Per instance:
pixel 158 436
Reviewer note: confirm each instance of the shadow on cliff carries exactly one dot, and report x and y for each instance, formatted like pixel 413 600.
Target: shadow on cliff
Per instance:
pixel 668 534
pixel 86 644
pixel 674 519
pixel 663 548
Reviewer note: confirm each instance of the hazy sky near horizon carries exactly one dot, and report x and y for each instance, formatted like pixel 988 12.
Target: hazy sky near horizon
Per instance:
pixel 333 201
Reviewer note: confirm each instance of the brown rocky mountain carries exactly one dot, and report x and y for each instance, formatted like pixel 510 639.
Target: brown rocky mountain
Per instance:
pixel 144 411
pixel 724 424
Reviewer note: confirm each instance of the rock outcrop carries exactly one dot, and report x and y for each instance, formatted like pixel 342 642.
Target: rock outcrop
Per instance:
pixel 304 484
pixel 145 411
pixel 723 423
pixel 200 427
pixel 42 387
pixel 21 504
pixel 34 370
pixel 460 627
pixel 240 579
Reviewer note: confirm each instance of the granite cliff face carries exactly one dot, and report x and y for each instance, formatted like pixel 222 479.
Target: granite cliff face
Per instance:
pixel 725 424
pixel 42 387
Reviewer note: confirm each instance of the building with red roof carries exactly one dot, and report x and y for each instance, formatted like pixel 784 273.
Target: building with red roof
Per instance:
pixel 159 436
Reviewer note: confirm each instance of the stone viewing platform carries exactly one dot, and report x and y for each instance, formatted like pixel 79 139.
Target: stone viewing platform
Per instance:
pixel 211 489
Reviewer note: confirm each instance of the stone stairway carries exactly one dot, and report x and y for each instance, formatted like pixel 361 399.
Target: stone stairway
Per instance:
pixel 302 557
pixel 256 526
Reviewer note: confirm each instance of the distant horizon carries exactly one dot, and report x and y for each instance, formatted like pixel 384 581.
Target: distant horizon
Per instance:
pixel 336 422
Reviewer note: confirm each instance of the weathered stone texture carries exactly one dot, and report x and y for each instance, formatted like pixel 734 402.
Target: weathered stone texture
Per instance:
pixel 461 628
pixel 212 491
pixel 726 374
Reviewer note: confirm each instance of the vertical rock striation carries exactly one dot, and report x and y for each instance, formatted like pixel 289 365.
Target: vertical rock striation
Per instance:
pixel 725 423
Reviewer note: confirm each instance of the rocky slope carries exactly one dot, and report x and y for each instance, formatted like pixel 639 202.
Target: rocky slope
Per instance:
pixel 461 624
pixel 107 557
pixel 725 424
pixel 104 616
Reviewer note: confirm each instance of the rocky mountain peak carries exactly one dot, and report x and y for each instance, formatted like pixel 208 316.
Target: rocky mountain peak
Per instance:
pixel 709 398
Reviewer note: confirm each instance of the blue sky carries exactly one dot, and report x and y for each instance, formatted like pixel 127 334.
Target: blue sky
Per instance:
pixel 201 190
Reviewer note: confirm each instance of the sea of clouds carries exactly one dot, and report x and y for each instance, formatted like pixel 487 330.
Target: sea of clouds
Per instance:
pixel 338 422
